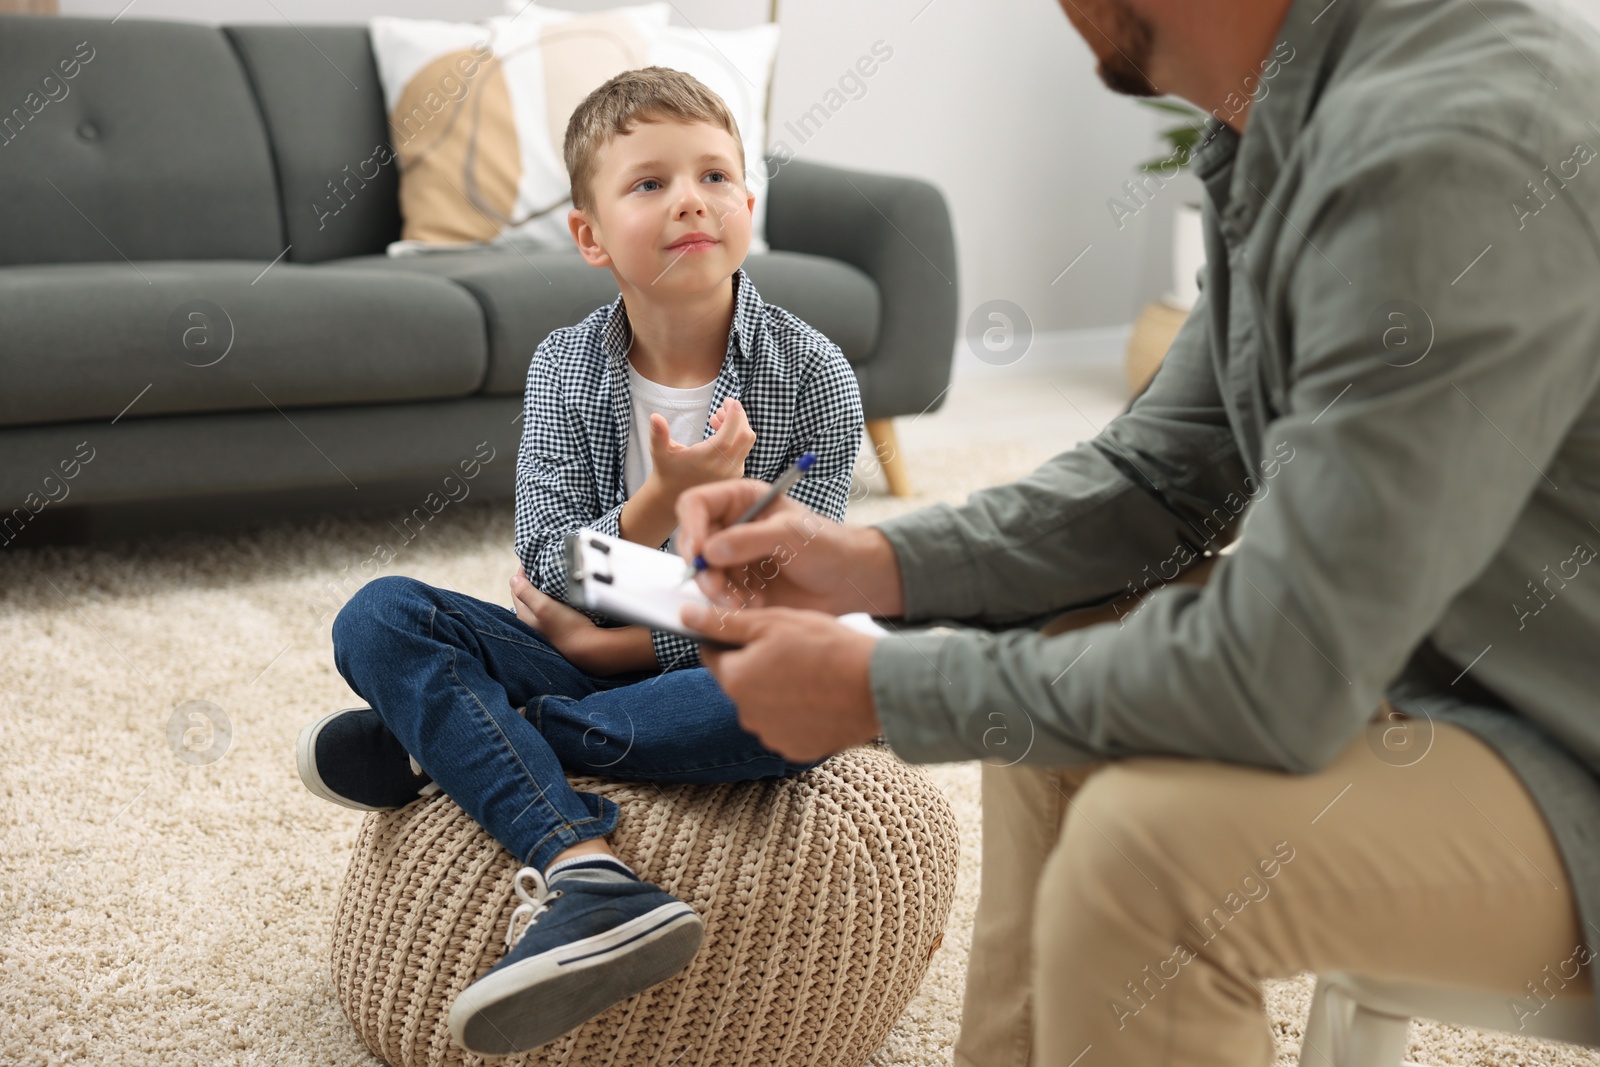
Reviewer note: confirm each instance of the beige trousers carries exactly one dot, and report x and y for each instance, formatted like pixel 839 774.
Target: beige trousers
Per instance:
pixel 1128 909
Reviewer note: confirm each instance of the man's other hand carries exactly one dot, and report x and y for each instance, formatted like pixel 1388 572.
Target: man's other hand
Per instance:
pixel 800 679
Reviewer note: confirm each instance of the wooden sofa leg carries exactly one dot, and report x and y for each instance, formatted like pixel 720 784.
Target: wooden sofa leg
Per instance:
pixel 881 433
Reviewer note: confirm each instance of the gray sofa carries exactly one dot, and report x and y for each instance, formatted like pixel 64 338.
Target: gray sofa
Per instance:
pixel 191 336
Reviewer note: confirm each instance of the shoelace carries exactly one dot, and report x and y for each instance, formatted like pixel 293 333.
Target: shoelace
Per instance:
pixel 427 790
pixel 531 907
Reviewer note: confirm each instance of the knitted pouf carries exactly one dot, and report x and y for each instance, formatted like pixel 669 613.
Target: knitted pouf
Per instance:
pixel 823 897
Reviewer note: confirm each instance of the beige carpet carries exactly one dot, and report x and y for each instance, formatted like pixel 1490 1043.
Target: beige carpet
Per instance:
pixel 158 912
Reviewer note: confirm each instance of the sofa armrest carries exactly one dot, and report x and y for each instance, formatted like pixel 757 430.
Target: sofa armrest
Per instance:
pixel 898 231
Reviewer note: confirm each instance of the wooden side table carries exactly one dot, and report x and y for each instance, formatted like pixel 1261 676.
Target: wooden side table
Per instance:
pixel 1152 335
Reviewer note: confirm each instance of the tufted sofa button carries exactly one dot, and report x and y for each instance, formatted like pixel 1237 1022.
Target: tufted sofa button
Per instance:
pixel 89 131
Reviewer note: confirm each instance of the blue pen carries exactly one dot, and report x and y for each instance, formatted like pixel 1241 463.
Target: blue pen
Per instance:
pixel 784 483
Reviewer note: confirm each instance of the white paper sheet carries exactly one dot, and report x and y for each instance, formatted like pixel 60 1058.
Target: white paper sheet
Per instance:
pixel 637 584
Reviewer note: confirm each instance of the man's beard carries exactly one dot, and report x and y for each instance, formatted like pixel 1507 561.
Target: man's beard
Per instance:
pixel 1121 40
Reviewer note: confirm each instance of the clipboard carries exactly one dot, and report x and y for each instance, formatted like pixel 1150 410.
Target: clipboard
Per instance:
pixel 637 584
pixel 632 583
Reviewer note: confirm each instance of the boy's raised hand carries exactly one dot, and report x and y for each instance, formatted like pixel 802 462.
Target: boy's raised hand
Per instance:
pixel 718 457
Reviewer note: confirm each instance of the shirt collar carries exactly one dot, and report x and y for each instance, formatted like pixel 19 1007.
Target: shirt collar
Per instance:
pixel 743 332
pixel 1314 36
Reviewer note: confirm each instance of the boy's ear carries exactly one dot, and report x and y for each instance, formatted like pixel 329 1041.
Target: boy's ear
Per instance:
pixel 586 238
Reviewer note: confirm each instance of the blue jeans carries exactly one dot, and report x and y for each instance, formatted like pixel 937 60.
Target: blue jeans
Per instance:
pixel 448 674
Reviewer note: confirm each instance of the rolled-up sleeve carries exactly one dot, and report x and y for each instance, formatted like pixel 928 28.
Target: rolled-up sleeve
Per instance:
pixel 1397 480
pixel 555 490
pixel 1080 528
pixel 828 422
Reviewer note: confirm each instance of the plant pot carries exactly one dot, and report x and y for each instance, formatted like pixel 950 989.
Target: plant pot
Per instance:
pixel 1188 256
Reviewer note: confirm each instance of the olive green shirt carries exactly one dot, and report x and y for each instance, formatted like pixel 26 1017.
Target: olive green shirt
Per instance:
pixel 1386 395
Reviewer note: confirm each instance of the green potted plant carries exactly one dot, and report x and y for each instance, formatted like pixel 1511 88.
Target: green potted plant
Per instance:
pixel 1181 139
pixel 1188 243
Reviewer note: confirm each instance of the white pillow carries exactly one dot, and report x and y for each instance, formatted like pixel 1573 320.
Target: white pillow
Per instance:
pixel 478 111
pixel 737 66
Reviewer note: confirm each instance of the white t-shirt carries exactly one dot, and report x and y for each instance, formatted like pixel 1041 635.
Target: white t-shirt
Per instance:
pixel 684 409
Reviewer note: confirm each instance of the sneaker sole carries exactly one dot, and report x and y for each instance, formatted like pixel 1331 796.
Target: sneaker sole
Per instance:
pixel 306 763
pixel 536 1001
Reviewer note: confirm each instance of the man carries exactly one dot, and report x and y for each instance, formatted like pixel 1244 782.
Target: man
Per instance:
pixel 1368 741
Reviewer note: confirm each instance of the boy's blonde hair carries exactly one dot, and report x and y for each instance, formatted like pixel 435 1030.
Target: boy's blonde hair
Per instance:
pixel 649 94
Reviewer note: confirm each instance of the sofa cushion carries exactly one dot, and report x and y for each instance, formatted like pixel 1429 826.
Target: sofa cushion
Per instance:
pixel 527 295
pixel 323 105
pixel 88 341
pixel 151 149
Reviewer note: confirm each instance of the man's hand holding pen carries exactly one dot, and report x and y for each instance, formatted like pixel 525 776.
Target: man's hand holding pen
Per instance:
pixel 800 679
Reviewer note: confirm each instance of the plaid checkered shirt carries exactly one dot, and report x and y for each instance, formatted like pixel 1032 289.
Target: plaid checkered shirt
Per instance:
pixel 795 385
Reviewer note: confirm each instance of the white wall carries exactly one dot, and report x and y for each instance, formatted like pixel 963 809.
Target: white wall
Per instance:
pixel 997 104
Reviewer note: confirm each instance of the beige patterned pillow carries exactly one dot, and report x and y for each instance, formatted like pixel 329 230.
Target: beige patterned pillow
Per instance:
pixel 478 111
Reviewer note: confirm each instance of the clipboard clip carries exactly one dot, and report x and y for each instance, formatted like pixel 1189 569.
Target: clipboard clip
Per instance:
pixel 575 570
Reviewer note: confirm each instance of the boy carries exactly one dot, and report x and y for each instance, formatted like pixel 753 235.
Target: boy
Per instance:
pixel 686 378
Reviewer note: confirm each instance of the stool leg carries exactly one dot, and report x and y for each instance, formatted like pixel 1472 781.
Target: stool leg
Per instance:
pixel 1327 1033
pixel 1342 1033
pixel 881 433
pixel 1376 1039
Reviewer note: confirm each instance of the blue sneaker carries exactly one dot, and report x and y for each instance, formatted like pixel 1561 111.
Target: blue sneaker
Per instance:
pixel 580 949
pixel 351 758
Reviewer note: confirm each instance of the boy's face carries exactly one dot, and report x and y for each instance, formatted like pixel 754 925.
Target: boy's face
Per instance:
pixel 654 187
